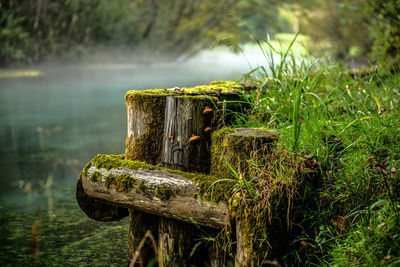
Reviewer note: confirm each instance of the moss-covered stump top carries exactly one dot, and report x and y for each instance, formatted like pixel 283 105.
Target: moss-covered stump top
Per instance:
pixel 215 88
pixel 266 135
pixel 174 194
pixel 235 146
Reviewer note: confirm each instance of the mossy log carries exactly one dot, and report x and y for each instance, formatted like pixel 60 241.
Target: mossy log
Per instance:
pixel 155 192
pixel 97 209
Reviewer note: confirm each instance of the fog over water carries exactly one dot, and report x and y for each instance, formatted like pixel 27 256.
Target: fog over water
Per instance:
pixel 52 124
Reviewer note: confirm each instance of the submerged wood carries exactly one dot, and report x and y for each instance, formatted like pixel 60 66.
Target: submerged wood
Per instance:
pixel 182 206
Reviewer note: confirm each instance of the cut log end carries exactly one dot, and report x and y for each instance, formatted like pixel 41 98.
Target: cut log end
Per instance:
pixel 97 209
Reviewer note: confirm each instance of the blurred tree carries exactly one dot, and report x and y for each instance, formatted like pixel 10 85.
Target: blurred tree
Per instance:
pixel 34 30
pixel 338 27
pixel 385 20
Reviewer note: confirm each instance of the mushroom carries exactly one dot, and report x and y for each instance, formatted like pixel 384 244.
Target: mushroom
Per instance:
pixel 194 138
pixel 207 110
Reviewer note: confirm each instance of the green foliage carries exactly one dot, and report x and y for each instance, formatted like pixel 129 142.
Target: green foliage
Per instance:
pixel 384 18
pixel 373 241
pixel 350 127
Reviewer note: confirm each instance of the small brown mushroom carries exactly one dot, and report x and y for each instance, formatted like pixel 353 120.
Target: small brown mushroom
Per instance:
pixel 207 129
pixel 171 137
pixel 207 110
pixel 215 99
pixel 194 138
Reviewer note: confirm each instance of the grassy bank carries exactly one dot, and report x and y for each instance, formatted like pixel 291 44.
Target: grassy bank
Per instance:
pixel 348 123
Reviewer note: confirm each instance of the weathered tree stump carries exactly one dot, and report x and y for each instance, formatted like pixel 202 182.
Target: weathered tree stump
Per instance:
pixel 161 123
pixel 235 147
pixel 186 141
pixel 177 132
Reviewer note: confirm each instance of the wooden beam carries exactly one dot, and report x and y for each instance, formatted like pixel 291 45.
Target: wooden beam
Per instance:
pixel 181 206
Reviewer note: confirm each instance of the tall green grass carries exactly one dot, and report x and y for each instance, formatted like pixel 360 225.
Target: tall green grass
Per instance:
pixel 349 121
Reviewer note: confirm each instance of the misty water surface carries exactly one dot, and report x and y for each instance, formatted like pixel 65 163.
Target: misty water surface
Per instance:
pixel 50 127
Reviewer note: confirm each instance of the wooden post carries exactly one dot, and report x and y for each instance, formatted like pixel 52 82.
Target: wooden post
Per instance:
pixel 243 256
pixel 175 242
pixel 140 223
pixel 235 146
pixel 173 127
pixel 187 126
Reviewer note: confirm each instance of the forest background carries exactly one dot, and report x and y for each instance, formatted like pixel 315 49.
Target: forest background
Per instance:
pixel 147 30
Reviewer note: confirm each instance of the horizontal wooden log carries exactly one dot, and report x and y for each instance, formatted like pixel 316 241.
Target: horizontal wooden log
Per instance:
pixel 156 192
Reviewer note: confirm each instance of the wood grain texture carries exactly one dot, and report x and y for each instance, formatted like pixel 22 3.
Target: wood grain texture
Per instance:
pixel 185 143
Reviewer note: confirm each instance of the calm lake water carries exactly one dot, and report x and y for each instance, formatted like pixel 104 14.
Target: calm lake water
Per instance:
pixel 50 127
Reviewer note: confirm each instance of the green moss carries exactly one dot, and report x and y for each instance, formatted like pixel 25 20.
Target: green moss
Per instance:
pixel 118 161
pixel 235 146
pixel 218 166
pixel 164 192
pixel 123 182
pixel 95 177
pixel 209 189
pixel 148 146
pixel 84 171
pixel 217 87
pixel 143 187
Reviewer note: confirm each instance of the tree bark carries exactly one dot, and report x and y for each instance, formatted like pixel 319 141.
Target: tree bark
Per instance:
pixel 145 127
pixel 185 141
pixel 182 206
pixel 175 243
pixel 243 256
pixel 97 209
pixel 140 223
